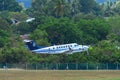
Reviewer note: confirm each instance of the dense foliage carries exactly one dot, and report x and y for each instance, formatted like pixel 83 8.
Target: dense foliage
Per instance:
pixel 59 22
pixel 10 5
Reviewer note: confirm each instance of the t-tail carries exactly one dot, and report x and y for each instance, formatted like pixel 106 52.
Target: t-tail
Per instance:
pixel 31 45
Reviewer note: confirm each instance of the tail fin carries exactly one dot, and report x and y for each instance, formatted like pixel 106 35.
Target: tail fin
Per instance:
pixel 31 44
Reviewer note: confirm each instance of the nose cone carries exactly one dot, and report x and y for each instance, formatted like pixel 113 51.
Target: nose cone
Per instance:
pixel 86 47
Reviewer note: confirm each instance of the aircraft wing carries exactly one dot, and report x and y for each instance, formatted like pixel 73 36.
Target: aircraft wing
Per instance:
pixel 69 51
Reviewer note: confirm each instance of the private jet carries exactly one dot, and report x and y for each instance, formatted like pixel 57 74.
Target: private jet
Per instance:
pixel 56 49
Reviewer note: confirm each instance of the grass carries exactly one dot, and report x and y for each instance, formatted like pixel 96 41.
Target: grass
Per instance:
pixel 59 75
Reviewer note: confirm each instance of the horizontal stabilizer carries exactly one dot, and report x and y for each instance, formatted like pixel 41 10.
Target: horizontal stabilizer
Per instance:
pixel 32 45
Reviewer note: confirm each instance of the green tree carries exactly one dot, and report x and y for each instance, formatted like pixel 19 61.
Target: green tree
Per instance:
pixel 10 5
pixel 74 7
pixel 89 16
pixel 59 8
pixel 117 8
pixel 106 52
pixel 38 7
pixel 15 55
pixel 40 37
pixel 88 6
pixel 63 8
pixel 22 28
pixel 93 30
pixel 114 23
pixel 20 16
pixel 61 31
pixel 4 25
pixel 4 38
pixel 48 7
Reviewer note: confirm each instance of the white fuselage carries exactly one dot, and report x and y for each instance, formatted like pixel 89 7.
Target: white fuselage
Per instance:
pixel 65 48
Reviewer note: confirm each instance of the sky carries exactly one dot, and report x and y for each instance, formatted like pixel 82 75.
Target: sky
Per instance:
pixel 27 3
pixel 101 1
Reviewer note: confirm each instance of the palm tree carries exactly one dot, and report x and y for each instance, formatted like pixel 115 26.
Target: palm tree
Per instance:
pixel 75 7
pixel 59 8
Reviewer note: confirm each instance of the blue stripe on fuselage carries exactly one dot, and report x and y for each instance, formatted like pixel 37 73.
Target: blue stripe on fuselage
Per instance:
pixel 47 50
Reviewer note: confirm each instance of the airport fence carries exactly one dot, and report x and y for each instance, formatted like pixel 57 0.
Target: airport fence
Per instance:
pixel 63 66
